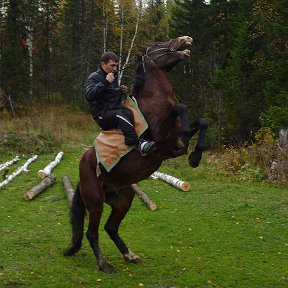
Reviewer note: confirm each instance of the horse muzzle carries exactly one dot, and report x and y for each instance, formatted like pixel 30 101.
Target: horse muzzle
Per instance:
pixel 184 54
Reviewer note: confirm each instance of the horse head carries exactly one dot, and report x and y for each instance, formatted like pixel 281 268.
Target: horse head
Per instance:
pixel 167 54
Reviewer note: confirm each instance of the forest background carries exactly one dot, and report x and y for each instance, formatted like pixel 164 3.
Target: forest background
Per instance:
pixel 236 78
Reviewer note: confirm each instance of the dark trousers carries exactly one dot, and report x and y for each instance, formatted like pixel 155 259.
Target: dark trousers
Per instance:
pixel 122 119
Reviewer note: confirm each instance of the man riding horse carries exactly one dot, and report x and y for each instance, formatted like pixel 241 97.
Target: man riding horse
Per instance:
pixel 106 101
pixel 168 126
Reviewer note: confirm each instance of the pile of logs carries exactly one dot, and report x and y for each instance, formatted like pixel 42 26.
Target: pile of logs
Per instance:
pixel 47 177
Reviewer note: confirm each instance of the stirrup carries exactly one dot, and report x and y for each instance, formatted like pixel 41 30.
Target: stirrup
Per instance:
pixel 145 147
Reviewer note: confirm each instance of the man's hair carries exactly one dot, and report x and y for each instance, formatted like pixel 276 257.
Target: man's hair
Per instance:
pixel 109 56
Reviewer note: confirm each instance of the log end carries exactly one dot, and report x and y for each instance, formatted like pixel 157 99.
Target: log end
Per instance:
pixel 185 186
pixel 152 206
pixel 28 195
pixel 41 174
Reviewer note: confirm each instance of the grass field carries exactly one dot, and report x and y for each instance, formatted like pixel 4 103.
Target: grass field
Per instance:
pixel 221 233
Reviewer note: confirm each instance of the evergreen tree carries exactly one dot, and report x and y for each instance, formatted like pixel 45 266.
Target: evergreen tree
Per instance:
pixel 271 36
pixel 190 78
pixel 14 64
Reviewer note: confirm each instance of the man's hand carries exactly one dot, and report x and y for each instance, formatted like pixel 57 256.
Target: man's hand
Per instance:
pixel 124 89
pixel 110 77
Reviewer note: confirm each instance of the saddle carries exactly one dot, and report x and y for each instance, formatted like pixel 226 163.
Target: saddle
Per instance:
pixel 110 145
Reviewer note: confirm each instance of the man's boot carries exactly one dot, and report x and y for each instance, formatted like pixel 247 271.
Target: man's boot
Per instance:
pixel 145 147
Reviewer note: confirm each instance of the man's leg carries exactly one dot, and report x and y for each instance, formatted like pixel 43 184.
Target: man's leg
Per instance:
pixel 125 122
pixel 123 119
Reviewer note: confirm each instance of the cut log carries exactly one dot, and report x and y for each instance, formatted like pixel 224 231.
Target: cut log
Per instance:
pixel 181 185
pixel 69 190
pixel 149 203
pixel 39 188
pixel 18 171
pixel 47 170
pixel 5 172
pixel 8 163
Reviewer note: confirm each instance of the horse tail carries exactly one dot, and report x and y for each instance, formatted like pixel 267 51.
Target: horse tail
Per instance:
pixel 77 216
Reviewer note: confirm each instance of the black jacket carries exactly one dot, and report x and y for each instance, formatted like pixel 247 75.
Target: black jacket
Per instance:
pixel 101 94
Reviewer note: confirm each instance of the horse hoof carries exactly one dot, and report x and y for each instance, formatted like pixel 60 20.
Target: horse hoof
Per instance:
pixel 107 268
pixel 70 251
pixel 132 258
pixel 195 158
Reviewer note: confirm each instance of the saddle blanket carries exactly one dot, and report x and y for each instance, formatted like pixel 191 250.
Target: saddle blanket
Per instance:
pixel 110 145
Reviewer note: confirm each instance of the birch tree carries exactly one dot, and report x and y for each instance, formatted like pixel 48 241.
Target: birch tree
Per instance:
pixel 138 11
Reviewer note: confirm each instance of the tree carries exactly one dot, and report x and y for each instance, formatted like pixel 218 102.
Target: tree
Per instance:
pixel 270 35
pixel 14 68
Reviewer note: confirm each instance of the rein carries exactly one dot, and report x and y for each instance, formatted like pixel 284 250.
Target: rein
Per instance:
pixel 148 58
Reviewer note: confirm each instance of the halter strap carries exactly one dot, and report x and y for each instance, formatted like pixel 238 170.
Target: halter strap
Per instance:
pixel 149 59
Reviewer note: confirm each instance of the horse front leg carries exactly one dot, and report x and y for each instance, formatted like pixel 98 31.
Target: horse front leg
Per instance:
pixel 180 110
pixel 120 203
pixel 195 156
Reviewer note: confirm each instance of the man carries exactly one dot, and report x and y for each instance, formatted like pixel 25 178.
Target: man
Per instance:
pixel 106 101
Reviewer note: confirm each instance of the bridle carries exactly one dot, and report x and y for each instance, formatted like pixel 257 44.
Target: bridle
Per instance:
pixel 147 56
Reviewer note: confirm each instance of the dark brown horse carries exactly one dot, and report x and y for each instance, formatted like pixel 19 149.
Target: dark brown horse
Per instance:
pixel 168 127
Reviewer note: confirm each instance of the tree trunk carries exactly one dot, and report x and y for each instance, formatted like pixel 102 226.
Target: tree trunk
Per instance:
pixel 38 189
pixel 18 171
pixel 47 170
pixel 69 190
pixel 181 185
pixel 149 203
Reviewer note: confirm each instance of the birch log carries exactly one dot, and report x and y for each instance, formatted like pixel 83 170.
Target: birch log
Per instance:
pixel 39 188
pixel 47 170
pixel 69 190
pixel 18 171
pixel 149 203
pixel 181 185
pixel 8 163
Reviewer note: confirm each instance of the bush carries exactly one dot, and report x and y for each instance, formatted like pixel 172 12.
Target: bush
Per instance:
pixel 22 142
pixel 253 162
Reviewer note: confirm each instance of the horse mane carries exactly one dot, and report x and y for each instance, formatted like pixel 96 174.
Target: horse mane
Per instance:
pixel 139 77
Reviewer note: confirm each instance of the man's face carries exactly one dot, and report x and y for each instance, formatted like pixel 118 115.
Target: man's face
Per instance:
pixel 110 67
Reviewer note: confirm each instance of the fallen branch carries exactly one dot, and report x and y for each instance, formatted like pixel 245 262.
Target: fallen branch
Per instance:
pixel 39 188
pixel 149 203
pixel 47 170
pixel 181 185
pixel 69 190
pixel 18 171
pixel 8 163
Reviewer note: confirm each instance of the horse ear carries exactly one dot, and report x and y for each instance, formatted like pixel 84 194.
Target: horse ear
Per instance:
pixel 141 48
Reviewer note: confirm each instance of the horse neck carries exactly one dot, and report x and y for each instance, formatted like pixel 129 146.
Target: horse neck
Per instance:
pixel 156 101
pixel 156 87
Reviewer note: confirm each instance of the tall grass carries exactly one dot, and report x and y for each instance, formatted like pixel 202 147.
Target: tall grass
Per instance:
pixel 41 129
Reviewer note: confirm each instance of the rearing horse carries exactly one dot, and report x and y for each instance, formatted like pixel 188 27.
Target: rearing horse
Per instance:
pixel 168 127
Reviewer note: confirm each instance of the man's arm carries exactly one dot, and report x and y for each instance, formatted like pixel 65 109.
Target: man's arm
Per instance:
pixel 95 86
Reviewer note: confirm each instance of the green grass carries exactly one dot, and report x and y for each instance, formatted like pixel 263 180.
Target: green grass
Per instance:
pixel 226 231
pixel 219 234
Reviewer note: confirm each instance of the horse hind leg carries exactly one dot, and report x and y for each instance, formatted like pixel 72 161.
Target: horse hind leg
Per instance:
pixel 94 201
pixel 120 203
pixel 77 215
